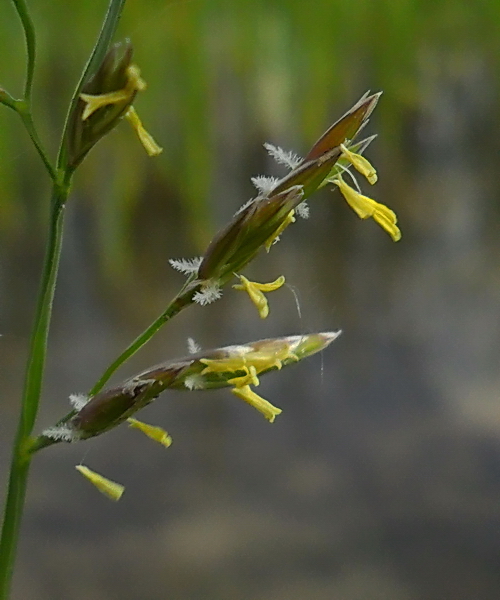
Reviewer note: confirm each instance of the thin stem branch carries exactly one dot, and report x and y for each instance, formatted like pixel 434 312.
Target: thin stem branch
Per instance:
pixel 184 298
pixel 7 99
pixel 23 107
pixel 29 35
pixel 32 388
pixel 24 112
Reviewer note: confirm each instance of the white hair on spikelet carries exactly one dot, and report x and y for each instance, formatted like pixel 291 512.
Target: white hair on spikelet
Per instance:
pixel 62 432
pixel 282 157
pixel 210 292
pixel 78 401
pixel 194 382
pixel 193 347
pixel 302 210
pixel 264 184
pixel 188 266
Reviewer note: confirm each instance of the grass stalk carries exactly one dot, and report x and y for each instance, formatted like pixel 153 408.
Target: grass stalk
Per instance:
pixel 21 459
pixel 30 38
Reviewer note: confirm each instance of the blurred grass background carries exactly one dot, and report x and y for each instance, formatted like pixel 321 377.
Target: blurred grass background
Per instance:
pixel 381 479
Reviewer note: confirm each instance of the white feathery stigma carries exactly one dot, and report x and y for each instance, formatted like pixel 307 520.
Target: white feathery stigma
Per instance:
pixel 210 292
pixel 188 266
pixel 264 184
pixel 193 347
pixel 194 382
pixel 62 432
pixel 302 210
pixel 282 157
pixel 78 401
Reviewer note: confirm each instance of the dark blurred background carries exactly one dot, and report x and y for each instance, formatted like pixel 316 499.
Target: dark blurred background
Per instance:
pixel 381 479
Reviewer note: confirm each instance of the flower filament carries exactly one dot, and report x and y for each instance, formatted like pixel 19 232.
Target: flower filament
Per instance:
pixel 289 219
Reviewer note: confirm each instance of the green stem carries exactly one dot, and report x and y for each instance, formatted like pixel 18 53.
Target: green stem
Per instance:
pixel 7 99
pixel 184 298
pixel 21 456
pixel 24 111
pixel 29 35
pixel 32 388
pixel 23 107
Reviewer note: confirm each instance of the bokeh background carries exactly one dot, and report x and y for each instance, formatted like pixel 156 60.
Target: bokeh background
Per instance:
pixel 381 479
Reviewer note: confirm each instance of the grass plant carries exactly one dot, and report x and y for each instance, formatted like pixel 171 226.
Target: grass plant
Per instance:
pixel 102 99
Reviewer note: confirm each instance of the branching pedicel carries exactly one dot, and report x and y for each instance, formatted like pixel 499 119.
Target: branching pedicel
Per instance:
pixel 258 224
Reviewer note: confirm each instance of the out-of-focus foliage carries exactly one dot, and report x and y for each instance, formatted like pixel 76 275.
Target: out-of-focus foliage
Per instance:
pixel 222 73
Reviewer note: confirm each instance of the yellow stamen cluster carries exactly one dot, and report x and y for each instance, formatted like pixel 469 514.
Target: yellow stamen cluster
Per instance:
pixel 109 488
pixel 290 218
pixel 256 292
pixel 251 363
pixel 155 433
pixel 363 206
pixel 134 84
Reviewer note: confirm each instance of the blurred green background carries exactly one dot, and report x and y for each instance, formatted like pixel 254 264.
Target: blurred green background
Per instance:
pixel 381 479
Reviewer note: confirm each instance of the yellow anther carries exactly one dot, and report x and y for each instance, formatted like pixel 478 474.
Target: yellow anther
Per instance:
pixel 287 221
pixel 360 163
pixel 134 84
pixel 223 365
pixel 366 207
pixel 134 80
pixel 96 102
pixel 260 360
pixel 263 361
pixel 266 408
pixel 147 140
pixel 256 292
pixel 109 488
pixel 249 379
pixel 155 433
